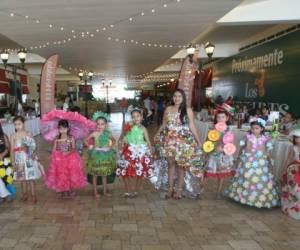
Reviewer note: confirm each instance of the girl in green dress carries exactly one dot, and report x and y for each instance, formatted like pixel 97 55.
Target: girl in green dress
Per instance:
pixel 102 156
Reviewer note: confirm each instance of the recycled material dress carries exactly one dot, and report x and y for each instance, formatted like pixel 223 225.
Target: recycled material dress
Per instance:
pixel 135 159
pixel 254 183
pixel 219 164
pixel 26 164
pixel 6 173
pixel 290 197
pixel 101 162
pixel 65 172
pixel 177 141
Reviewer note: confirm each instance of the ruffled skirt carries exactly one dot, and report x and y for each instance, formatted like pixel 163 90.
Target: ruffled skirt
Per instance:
pixel 65 172
pixel 135 161
pixel 290 199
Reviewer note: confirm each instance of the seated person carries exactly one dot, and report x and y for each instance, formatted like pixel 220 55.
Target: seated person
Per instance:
pixel 287 123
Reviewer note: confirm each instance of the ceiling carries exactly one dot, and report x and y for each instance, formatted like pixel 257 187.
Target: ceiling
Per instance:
pixel 174 25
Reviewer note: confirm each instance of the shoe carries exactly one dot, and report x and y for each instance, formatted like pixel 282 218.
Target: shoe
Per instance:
pixel 24 197
pixel 126 195
pixel 178 194
pixel 219 196
pixel 134 195
pixel 34 199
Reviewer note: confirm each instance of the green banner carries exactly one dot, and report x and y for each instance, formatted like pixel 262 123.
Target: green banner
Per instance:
pixel 266 74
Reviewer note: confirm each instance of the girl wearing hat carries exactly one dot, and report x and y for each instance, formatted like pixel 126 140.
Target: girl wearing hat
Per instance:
pixel 290 199
pixel 219 162
pixel 254 183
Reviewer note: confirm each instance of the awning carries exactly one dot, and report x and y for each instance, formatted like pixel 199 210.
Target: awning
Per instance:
pixel 4 88
pixel 25 90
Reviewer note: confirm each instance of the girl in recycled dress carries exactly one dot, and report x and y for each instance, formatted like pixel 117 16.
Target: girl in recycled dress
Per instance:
pixel 135 163
pixel 290 198
pixel 26 166
pixel 102 156
pixel 254 183
pixel 179 146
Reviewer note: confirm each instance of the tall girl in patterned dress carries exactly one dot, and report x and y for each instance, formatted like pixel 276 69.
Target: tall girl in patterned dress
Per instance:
pixel 23 156
pixel 65 173
pixel 254 183
pixel 179 142
pixel 102 157
pixel 135 159
pixel 219 164
pixel 290 198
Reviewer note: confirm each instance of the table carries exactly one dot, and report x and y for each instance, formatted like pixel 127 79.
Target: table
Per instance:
pixel 279 153
pixel 31 125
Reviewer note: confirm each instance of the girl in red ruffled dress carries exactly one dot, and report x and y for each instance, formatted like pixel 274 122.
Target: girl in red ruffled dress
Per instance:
pixel 290 198
pixel 135 160
pixel 65 173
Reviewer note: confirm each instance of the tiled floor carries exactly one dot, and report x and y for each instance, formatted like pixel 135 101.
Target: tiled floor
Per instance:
pixel 148 222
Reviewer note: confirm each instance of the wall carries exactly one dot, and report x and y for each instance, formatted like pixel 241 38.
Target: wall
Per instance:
pixel 268 73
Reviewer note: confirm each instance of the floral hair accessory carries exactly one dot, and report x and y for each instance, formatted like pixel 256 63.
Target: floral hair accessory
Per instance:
pixel 259 120
pixel 131 108
pixel 228 138
pixel 221 126
pixel 208 146
pixel 227 108
pixel 229 149
pixel 213 135
pixel 100 114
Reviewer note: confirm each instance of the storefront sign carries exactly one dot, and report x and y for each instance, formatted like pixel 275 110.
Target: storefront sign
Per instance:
pixel 48 84
pixel 266 74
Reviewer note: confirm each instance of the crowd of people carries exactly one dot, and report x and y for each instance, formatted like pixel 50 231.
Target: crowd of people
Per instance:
pixel 178 162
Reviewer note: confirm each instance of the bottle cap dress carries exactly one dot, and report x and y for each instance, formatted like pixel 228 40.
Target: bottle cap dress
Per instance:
pixel 290 199
pixel 135 159
pixel 177 141
pixel 254 183
pixel 100 162
pixel 65 171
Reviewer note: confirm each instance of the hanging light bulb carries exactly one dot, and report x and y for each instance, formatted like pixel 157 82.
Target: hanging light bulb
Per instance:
pixel 190 50
pixel 209 49
pixel 4 57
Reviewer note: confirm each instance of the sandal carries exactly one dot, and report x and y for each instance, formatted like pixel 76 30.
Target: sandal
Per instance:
pixel 126 195
pixel 170 193
pixel 178 194
pixel 34 199
pixel 24 197
pixel 134 194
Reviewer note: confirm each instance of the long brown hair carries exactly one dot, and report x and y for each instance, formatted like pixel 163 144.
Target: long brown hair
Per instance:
pixel 182 108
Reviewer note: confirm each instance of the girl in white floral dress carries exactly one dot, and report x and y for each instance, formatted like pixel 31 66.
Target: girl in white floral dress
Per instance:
pixel 254 183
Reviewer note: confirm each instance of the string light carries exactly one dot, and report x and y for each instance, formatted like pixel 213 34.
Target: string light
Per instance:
pixel 143 13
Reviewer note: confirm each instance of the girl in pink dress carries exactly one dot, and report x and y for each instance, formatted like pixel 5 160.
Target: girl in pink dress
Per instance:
pixel 65 173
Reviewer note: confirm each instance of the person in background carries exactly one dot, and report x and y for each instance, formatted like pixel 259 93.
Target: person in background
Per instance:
pixel 160 110
pixel 123 106
pixel 153 108
pixel 66 104
pixel 265 111
pixel 79 142
pixel 203 114
pixel 36 107
pixel 147 104
pixel 246 113
pixel 287 123
pixel 219 100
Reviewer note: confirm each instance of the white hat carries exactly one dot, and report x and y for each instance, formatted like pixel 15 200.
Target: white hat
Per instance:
pixel 295 132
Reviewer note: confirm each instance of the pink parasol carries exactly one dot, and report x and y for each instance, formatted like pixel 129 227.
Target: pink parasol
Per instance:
pixel 80 126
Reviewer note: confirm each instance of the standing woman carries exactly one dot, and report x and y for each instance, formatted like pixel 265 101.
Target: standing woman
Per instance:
pixel 179 141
